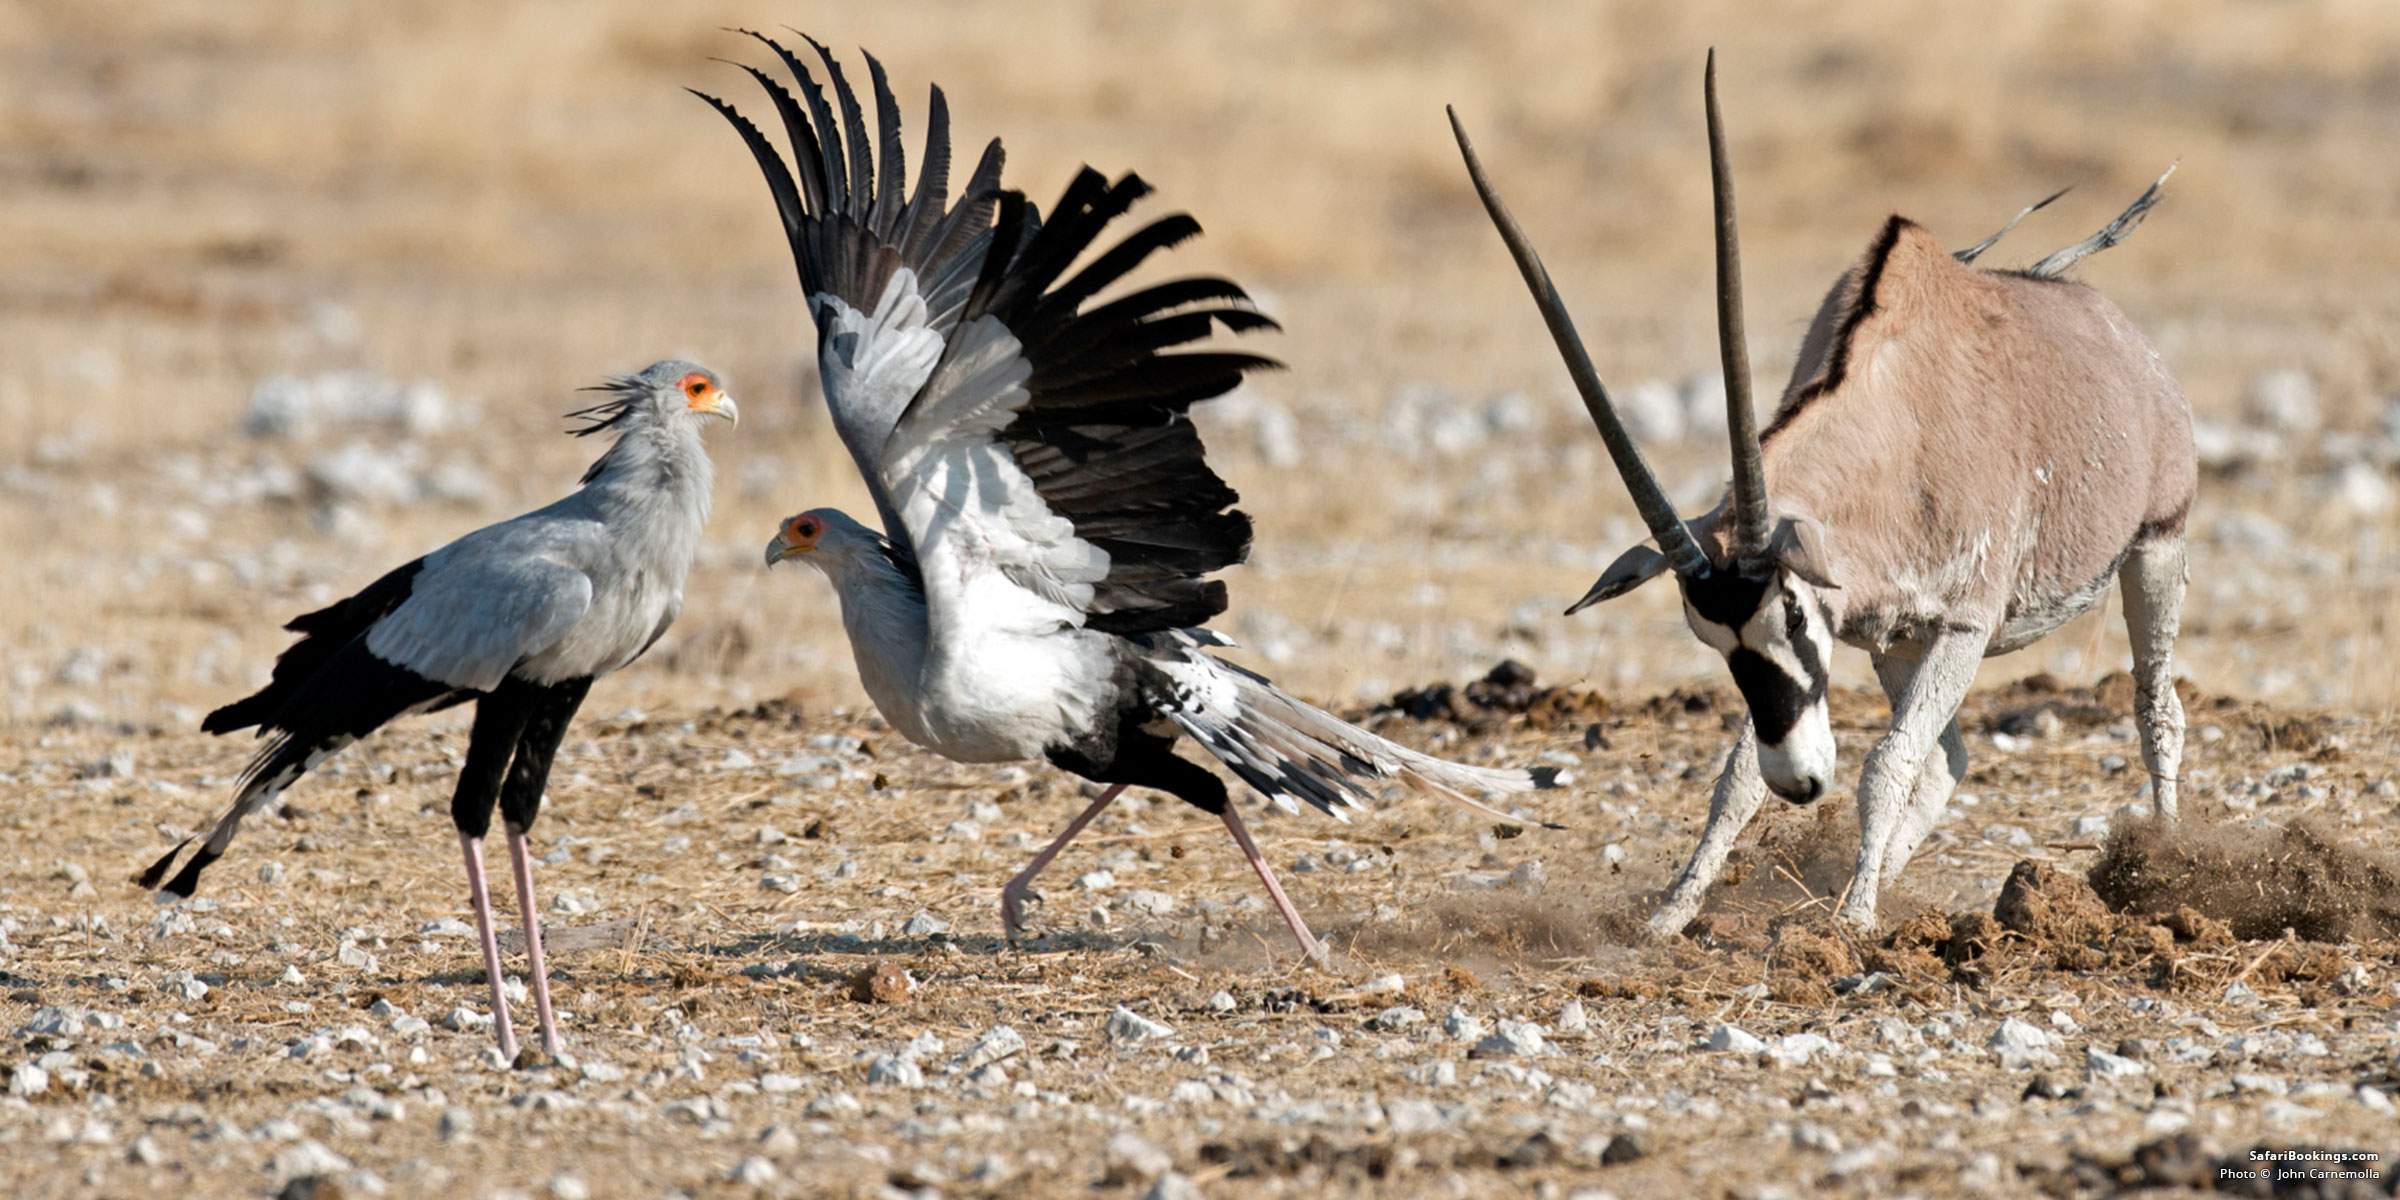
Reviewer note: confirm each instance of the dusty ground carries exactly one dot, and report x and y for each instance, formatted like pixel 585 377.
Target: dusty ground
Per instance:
pixel 444 217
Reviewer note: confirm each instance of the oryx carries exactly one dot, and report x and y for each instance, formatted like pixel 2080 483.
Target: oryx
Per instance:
pixel 1962 461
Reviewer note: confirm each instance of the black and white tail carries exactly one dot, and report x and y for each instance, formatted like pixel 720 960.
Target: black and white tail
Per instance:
pixel 328 691
pixel 1294 753
pixel 274 769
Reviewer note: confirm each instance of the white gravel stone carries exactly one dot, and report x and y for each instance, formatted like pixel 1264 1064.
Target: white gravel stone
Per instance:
pixel 2283 399
pixel 1171 1186
pixel 1461 1025
pixel 997 1044
pixel 1733 1039
pixel 754 1172
pixel 309 1157
pixel 925 924
pixel 2019 1042
pixel 1127 1026
pixel 568 1187
pixel 28 1080
pixel 1573 1018
pixel 896 1071
pixel 1513 1039
pixel 1139 1155
pixel 2100 1064
pixel 1796 1049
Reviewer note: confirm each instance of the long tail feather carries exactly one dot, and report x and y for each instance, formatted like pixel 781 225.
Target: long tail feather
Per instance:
pixel 1295 753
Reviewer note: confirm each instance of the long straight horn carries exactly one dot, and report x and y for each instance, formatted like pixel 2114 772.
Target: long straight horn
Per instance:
pixel 1674 539
pixel 1750 528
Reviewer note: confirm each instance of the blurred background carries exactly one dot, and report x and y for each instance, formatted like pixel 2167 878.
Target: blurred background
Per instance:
pixel 295 291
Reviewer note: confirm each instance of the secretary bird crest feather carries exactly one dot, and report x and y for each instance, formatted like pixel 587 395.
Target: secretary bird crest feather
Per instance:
pixel 519 617
pixel 1049 519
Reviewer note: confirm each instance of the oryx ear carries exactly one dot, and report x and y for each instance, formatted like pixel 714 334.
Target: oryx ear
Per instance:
pixel 1635 567
pixel 1799 547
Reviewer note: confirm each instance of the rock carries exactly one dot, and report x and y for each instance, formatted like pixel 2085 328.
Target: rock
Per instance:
pixel 307 1157
pixel 2100 1064
pixel 925 924
pixel 1396 1018
pixel 28 1080
pixel 1733 1039
pixel 896 1071
pixel 567 1187
pixel 1409 1117
pixel 1136 1157
pixel 2018 1042
pixel 456 1123
pixel 753 1172
pixel 1000 1042
pixel 1462 1026
pixel 1127 1026
pixel 2284 400
pixel 1171 1186
pixel 2361 489
pixel 1223 1002
pixel 1653 413
pixel 1512 1039
pixel 1796 1049
pixel 365 473
pixel 881 983
pixel 1623 1148
pixel 1148 902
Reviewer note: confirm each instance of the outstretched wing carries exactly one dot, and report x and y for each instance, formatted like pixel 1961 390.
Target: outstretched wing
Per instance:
pixel 1016 438
pixel 886 273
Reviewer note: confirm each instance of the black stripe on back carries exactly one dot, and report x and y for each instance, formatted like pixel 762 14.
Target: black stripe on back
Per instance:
pixel 1862 305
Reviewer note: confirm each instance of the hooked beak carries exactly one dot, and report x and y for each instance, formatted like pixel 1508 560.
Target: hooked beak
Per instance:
pixel 722 405
pixel 779 550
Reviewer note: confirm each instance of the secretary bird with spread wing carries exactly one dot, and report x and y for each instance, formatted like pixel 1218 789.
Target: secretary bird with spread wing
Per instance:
pixel 1049 520
pixel 519 617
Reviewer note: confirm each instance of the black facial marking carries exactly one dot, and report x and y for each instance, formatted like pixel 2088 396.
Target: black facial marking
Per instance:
pixel 1776 700
pixel 1726 597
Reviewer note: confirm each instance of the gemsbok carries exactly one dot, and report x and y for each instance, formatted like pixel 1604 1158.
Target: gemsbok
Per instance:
pixel 1962 461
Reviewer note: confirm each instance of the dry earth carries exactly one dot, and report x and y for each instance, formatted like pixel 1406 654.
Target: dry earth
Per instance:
pixel 296 291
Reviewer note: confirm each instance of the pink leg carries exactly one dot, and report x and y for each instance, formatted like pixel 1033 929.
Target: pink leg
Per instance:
pixel 1309 945
pixel 1012 897
pixel 522 861
pixel 482 897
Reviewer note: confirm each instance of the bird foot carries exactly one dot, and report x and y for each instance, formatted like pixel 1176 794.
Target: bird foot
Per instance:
pixel 1012 914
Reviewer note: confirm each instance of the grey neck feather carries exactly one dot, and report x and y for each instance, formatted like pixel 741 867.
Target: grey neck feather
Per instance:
pixel 883 612
pixel 654 471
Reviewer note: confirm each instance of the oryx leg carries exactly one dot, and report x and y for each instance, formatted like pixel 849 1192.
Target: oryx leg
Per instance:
pixel 1740 790
pixel 1936 779
pixel 1927 704
pixel 2152 579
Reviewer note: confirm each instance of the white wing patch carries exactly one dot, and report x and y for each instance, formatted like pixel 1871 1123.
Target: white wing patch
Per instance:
pixel 871 365
pixel 969 509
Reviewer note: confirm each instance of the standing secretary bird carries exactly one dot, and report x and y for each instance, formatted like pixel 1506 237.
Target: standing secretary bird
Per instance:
pixel 519 617
pixel 1962 462
pixel 1049 521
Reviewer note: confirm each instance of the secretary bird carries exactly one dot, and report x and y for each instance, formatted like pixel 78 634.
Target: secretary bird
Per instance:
pixel 1963 460
pixel 519 617
pixel 1049 520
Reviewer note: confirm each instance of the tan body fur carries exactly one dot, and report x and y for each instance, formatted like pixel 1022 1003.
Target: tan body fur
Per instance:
pixel 1985 452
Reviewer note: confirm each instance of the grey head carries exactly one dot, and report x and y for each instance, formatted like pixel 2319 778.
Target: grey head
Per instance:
pixel 824 538
pixel 667 394
pixel 1762 601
